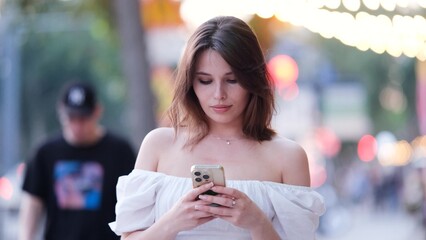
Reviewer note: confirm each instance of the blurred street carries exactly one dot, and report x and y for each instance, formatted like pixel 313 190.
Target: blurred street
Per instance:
pixel 9 224
pixel 364 224
pixel 371 224
pixel 350 80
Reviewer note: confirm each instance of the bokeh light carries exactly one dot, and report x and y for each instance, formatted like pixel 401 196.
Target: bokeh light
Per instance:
pixel 367 148
pixel 328 142
pixel 392 152
pixel 393 99
pixel 377 32
pixel 284 71
pixel 6 188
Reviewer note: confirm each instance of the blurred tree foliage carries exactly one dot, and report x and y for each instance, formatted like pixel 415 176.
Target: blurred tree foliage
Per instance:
pixel 376 72
pixel 63 41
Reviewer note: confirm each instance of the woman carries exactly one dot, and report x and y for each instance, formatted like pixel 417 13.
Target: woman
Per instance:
pixel 221 113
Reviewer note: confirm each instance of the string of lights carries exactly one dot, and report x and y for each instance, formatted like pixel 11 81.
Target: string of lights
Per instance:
pixel 397 27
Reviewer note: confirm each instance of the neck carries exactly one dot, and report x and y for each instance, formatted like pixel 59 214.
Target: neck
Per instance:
pixel 228 139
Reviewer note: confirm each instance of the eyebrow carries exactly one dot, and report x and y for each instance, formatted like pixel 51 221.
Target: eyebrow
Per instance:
pixel 204 73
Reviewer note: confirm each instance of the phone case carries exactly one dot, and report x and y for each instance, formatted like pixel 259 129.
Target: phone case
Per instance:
pixel 202 174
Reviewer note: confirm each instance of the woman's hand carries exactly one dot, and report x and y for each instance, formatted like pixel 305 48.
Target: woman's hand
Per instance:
pixel 235 208
pixel 184 215
pixel 238 209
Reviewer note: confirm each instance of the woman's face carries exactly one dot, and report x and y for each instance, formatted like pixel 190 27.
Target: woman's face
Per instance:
pixel 221 96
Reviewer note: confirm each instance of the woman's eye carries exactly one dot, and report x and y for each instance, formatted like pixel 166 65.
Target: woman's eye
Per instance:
pixel 205 82
pixel 232 81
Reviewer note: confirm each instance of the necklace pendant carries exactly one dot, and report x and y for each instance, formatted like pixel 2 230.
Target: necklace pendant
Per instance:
pixel 228 142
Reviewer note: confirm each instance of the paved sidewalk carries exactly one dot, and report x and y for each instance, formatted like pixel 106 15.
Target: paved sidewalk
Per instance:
pixel 371 224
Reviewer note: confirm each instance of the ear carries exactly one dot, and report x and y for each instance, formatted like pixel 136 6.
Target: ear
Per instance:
pixel 60 111
pixel 99 110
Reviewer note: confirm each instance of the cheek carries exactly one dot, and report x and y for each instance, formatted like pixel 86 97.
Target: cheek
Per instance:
pixel 200 94
pixel 242 97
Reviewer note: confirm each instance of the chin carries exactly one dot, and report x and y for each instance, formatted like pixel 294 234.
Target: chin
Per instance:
pixel 75 140
pixel 221 120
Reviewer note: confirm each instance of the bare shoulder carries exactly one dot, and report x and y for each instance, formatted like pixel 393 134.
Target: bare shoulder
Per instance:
pixel 159 135
pixel 153 146
pixel 291 158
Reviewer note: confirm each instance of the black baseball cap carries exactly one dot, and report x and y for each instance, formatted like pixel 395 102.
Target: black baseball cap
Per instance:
pixel 79 99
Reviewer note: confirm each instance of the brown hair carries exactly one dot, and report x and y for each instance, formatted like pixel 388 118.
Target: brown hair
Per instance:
pixel 235 41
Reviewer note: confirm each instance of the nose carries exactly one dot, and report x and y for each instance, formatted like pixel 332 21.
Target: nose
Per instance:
pixel 220 92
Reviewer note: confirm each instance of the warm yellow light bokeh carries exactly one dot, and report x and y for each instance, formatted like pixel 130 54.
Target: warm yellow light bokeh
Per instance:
pixel 396 35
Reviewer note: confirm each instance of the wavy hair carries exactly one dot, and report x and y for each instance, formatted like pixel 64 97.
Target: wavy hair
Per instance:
pixel 238 45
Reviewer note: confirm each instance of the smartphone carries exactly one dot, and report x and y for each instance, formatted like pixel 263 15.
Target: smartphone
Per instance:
pixel 202 174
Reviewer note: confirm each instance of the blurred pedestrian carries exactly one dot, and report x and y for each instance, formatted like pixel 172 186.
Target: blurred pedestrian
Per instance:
pixel 72 176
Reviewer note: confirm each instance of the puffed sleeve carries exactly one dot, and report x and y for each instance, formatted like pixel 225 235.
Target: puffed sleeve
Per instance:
pixel 297 211
pixel 136 195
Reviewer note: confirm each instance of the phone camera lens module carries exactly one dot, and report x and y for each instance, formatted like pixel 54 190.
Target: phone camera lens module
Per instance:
pixel 198 179
pixel 206 176
pixel 197 173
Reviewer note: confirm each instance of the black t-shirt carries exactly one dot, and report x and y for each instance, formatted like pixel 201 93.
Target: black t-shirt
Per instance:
pixel 78 186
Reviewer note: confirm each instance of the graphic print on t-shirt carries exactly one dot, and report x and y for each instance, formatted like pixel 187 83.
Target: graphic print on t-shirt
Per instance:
pixel 78 185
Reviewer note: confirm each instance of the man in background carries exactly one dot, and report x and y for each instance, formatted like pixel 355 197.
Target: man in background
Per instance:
pixel 72 177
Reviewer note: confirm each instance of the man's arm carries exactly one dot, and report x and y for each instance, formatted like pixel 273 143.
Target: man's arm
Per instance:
pixel 31 213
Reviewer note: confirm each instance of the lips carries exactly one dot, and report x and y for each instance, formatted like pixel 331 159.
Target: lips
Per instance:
pixel 221 108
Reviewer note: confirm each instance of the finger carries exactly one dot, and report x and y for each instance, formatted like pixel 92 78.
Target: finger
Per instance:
pixel 197 214
pixel 216 211
pixel 197 191
pixel 231 192
pixel 201 217
pixel 202 202
pixel 222 195
pixel 223 201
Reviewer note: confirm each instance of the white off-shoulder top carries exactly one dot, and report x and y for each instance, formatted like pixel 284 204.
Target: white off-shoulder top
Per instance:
pixel 144 196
